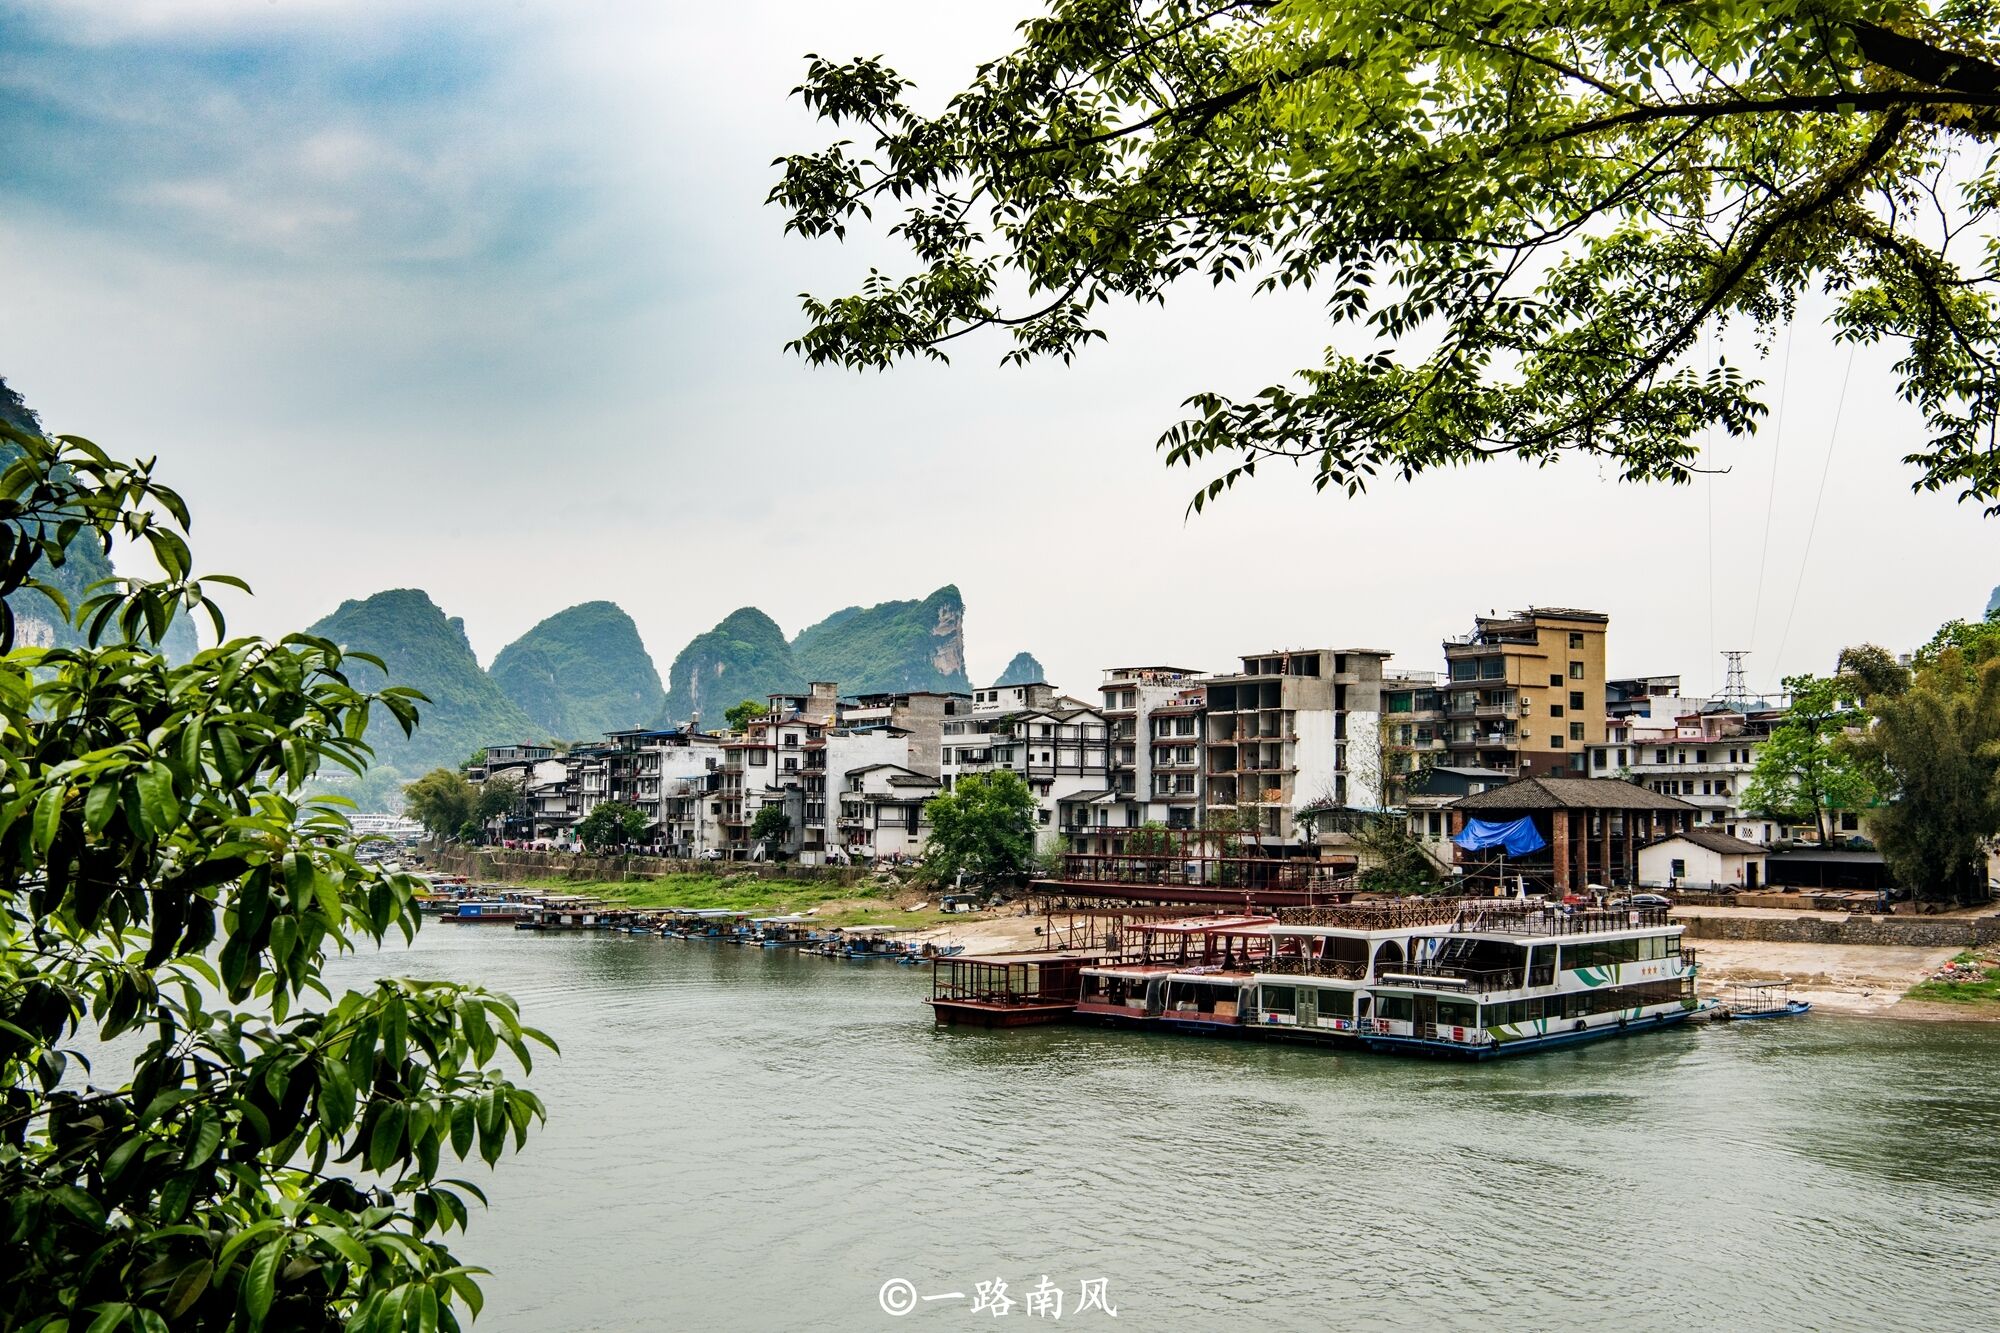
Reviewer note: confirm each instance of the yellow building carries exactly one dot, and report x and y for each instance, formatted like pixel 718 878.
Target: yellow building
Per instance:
pixel 1524 694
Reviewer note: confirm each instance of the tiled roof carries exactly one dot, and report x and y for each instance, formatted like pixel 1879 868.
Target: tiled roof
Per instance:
pixel 1569 794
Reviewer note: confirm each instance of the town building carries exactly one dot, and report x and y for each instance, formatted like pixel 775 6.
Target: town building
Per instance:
pixel 881 811
pixel 1057 745
pixel 1591 831
pixel 1413 731
pixel 1525 693
pixel 1705 758
pixel 1702 858
pixel 1294 729
pixel 1153 772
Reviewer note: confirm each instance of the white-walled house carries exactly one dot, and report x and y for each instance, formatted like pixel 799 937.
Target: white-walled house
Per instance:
pixel 881 811
pixel 1058 751
pixel 1699 858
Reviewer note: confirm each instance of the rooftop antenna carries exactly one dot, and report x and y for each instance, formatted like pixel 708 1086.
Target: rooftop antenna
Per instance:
pixel 1734 691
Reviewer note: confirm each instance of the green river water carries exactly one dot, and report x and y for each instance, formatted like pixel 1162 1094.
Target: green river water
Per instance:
pixel 747 1139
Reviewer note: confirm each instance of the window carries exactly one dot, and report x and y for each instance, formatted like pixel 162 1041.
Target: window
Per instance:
pixel 1395 1008
pixel 1456 1013
pixel 1677 867
pixel 1597 759
pixel 1555 742
pixel 1555 680
pixel 1576 698
pixel 1701 756
pixel 1850 823
pixel 1576 639
pixel 1278 999
pixel 1576 671
pixel 1659 756
pixel 758 758
pixel 1576 731
pixel 1493 668
pixel 1555 710
pixel 1434 823
pixel 1336 1004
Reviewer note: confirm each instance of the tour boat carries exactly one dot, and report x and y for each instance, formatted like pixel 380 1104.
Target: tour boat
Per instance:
pixel 1503 978
pixel 484 911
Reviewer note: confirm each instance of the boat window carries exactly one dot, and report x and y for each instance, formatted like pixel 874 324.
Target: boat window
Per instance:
pixel 1456 1013
pixel 1335 1003
pixel 1279 1000
pixel 1600 953
pixel 1396 1008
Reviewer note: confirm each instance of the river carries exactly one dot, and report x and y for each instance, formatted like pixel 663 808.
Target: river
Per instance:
pixel 747 1139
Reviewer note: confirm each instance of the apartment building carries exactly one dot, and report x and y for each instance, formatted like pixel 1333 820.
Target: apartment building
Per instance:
pixel 1056 744
pixel 1704 757
pixel 1295 728
pixel 1525 694
pixel 919 714
pixel 1151 778
pixel 1413 730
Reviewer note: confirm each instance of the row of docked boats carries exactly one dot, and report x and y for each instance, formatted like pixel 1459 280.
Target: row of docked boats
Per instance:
pixel 1468 979
pixel 453 900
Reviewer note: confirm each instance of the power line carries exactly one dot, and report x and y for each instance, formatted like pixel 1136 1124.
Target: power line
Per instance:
pixel 1771 493
pixel 1805 557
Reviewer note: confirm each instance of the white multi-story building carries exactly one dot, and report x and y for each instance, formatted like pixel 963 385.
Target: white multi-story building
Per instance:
pixel 1057 745
pixel 1703 757
pixel 1153 724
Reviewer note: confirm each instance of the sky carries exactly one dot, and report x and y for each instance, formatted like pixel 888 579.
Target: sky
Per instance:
pixel 484 298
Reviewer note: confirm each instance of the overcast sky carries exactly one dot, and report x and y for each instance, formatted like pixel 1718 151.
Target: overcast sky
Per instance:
pixel 484 299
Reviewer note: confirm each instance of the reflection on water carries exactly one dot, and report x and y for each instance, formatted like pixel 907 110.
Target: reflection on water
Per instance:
pixel 746 1139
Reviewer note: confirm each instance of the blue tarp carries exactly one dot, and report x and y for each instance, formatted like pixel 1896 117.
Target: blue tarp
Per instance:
pixel 1516 837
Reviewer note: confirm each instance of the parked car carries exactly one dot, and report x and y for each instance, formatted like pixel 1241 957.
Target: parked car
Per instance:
pixel 1650 900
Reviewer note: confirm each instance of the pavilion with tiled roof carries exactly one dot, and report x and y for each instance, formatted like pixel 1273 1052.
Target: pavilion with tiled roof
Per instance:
pixel 1593 828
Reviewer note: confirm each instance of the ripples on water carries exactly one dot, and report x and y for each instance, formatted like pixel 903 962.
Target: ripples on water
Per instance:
pixel 746 1139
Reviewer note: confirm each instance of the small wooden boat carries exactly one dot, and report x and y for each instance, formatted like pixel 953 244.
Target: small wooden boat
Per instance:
pixel 1762 999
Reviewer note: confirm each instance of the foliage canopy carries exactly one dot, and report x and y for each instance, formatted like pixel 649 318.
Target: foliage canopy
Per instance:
pixel 1535 211
pixel 164 887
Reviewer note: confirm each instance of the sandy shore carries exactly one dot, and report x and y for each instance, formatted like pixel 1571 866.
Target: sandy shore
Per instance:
pixel 1836 978
pixel 1839 978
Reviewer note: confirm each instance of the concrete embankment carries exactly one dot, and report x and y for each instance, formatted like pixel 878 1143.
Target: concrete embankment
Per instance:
pixel 1770 927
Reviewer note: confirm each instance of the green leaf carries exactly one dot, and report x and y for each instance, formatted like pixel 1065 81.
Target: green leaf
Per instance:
pixel 109 1316
pixel 260 1281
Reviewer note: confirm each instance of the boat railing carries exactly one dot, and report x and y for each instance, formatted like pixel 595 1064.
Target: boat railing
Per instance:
pixel 1453 977
pixel 1413 913
pixel 1344 969
pixel 1541 919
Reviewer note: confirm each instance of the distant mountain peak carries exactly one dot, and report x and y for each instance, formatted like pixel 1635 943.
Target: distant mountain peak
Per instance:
pixel 1025 669
pixel 582 672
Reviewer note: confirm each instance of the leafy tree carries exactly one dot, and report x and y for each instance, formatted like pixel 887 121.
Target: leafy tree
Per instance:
pixel 741 715
pixel 497 797
pixel 984 827
pixel 610 824
pixel 1805 769
pixel 771 826
pixel 168 900
pixel 1537 212
pixel 1870 671
pixel 1398 861
pixel 1937 747
pixel 442 801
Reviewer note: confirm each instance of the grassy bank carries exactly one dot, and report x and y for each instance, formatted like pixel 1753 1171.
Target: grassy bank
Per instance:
pixel 1979 987
pixel 836 904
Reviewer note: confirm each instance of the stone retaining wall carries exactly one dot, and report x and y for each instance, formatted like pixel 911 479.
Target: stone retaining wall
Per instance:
pixel 513 866
pixel 1917 931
